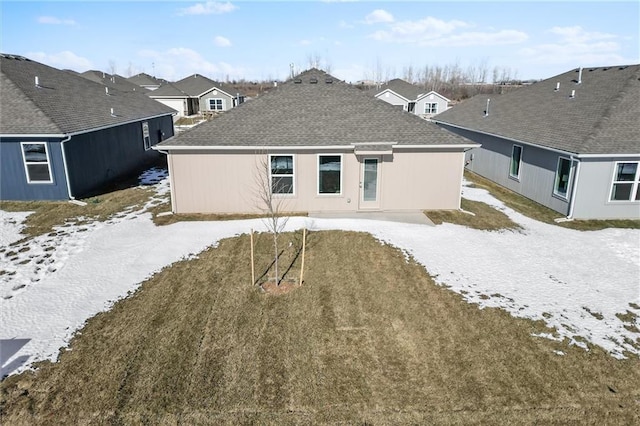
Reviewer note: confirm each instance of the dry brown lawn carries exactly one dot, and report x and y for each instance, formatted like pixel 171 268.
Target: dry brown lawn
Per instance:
pixel 484 216
pixel 367 339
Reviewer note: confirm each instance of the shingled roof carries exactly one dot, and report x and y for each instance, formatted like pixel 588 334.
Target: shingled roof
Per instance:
pixel 600 118
pixel 314 109
pixel 113 81
pixel 144 79
pixel 409 91
pixel 62 102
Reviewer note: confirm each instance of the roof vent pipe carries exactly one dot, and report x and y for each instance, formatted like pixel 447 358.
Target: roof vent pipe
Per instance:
pixel 37 81
pixel 106 90
pixel 573 94
pixel 580 76
pixel 112 114
pixel 557 87
pixel 486 111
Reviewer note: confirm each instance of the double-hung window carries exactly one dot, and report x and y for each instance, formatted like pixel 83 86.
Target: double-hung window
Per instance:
pixel 430 108
pixel 626 182
pixel 282 173
pixel 516 156
pixel 563 174
pixel 146 138
pixel 36 162
pixel 330 174
pixel 216 104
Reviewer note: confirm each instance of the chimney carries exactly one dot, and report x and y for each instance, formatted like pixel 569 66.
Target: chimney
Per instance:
pixel 557 87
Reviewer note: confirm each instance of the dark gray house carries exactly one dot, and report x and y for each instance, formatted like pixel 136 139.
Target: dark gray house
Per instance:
pixel 570 142
pixel 63 136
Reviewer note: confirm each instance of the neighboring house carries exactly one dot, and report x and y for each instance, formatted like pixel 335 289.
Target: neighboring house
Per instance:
pixel 113 81
pixel 196 94
pixel 411 98
pixel 570 142
pixel 146 81
pixel 326 146
pixel 63 136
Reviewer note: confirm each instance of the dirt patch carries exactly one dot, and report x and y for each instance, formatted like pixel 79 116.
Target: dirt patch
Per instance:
pixel 286 286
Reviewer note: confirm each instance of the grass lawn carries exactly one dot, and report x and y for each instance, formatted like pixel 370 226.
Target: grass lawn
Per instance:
pixel 367 339
pixel 484 216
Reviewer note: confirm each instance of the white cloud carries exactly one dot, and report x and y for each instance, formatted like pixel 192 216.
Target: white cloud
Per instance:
pixel 207 8
pixel 574 47
pixel 345 25
pixel 378 16
pixel 62 60
pixel 52 20
pixel 304 42
pixel 221 41
pixel 179 62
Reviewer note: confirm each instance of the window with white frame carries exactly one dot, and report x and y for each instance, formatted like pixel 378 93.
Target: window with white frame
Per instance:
pixel 282 171
pixel 516 157
pixel 36 162
pixel 216 104
pixel 330 174
pixel 563 173
pixel 146 138
pixel 626 182
pixel 430 108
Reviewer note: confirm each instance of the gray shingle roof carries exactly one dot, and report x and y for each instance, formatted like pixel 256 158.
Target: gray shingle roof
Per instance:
pixel 195 85
pixel 168 90
pixel 315 114
pixel 114 81
pixel 63 102
pixel 401 87
pixel 143 79
pixel 602 118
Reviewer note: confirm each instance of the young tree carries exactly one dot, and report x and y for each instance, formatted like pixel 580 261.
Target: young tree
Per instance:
pixel 269 184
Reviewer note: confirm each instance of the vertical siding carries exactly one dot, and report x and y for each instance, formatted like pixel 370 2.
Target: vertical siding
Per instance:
pixel 593 192
pixel 225 182
pixel 13 178
pixel 97 158
pixel 537 172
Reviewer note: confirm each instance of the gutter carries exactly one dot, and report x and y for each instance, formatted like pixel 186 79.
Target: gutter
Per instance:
pixel 299 147
pixel 66 168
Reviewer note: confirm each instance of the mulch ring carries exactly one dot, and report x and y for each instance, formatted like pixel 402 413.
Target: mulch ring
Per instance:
pixel 286 285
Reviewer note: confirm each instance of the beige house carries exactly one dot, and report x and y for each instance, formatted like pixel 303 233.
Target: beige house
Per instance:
pixel 323 146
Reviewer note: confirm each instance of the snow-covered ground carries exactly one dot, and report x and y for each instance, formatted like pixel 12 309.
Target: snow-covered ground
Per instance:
pixel 576 282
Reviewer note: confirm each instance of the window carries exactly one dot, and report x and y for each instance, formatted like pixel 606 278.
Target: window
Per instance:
pixel 329 174
pixel 146 139
pixel 563 172
pixel 216 104
pixel 36 162
pixel 431 108
pixel 626 180
pixel 281 174
pixel 516 155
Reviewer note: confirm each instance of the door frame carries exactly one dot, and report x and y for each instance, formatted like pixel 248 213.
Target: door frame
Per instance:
pixel 369 205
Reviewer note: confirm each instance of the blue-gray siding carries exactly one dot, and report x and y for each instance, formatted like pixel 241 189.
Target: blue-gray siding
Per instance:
pixel 93 160
pixel 13 177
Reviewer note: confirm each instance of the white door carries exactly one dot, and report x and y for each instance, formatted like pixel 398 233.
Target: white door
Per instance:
pixel 370 183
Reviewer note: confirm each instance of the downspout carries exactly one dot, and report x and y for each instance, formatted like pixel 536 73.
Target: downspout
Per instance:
pixel 66 168
pixel 572 202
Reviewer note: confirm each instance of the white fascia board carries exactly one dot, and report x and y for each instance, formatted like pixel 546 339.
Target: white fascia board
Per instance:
pixel 637 154
pixel 433 92
pixel 395 93
pixel 26 135
pixel 252 148
pixel 439 146
pixel 211 90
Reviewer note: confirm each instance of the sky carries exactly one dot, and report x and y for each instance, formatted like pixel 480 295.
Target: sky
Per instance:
pixel 55 282
pixel 354 40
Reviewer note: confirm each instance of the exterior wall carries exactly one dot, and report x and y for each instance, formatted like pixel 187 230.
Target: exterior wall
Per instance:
pixel 227 103
pixel 13 177
pixel 225 182
pixel 443 105
pixel 537 171
pixel 594 190
pixel 393 99
pixel 177 104
pixel 96 158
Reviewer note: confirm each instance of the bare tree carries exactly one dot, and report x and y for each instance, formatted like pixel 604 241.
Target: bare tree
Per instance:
pixel 113 68
pixel 268 185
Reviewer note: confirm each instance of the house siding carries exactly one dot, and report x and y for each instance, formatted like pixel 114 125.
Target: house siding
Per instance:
pixel 537 171
pixel 594 189
pixel 393 99
pixel 204 100
pixel 96 158
pixel 13 178
pixel 443 105
pixel 225 182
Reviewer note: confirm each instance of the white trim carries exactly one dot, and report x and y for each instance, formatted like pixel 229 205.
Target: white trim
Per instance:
pixel 512 176
pixel 222 104
pixel 430 103
pixel 329 194
pixel 301 147
pixel 555 180
pixel 147 147
pixel 26 169
pixel 293 175
pixel 635 183
pixel 211 90
pixel 375 203
pixel 574 192
pixel 395 93
pixel 517 141
pixel 66 168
